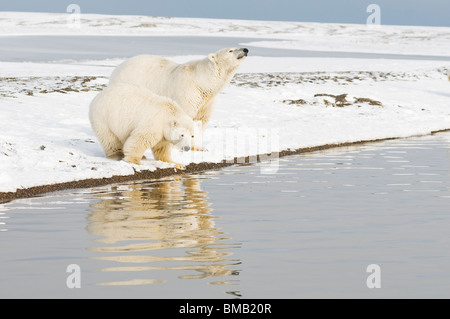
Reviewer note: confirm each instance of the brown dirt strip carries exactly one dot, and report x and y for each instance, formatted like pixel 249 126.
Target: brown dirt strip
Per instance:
pixel 160 173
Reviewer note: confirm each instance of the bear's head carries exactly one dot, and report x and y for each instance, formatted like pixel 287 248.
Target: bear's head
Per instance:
pixel 229 59
pixel 181 135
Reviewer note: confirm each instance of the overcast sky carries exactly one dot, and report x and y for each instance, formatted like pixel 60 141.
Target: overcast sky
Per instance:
pixel 398 12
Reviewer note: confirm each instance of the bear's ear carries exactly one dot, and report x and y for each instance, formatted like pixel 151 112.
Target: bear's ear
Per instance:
pixel 173 123
pixel 212 57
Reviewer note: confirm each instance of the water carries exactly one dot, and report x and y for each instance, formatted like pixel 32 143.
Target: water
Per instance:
pixel 309 229
pixel 53 48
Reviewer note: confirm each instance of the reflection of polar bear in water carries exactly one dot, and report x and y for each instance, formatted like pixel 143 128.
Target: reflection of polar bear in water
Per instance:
pixel 161 215
pixel 160 209
pixel 193 85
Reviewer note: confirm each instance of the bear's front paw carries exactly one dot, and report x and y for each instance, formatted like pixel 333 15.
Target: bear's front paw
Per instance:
pixel 199 148
pixel 180 166
pixel 132 160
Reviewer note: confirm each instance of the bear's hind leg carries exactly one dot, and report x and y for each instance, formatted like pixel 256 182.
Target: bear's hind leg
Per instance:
pixel 112 146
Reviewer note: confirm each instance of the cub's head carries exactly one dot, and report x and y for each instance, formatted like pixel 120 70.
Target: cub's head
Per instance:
pixel 179 134
pixel 229 59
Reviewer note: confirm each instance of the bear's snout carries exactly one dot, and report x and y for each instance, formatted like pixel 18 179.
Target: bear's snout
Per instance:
pixel 243 53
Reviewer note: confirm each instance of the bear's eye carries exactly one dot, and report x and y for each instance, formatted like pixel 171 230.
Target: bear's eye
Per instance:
pixel 192 136
pixel 182 135
pixel 230 51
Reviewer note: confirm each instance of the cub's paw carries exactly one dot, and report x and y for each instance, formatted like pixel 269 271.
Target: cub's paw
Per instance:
pixel 132 160
pixel 199 148
pixel 180 166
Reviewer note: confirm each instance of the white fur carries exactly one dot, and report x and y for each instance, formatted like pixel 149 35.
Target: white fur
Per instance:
pixel 193 85
pixel 128 120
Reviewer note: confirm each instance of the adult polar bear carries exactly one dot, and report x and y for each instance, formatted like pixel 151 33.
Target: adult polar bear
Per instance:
pixel 193 85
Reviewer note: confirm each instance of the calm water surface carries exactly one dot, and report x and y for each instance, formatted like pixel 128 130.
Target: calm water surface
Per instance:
pixel 53 48
pixel 308 228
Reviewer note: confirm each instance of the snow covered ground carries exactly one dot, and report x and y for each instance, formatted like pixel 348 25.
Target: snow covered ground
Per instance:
pixel 272 104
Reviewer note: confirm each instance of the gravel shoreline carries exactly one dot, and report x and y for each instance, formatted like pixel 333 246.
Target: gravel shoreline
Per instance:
pixel 161 173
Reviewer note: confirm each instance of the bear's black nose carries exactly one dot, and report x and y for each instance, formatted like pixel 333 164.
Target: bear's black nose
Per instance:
pixel 186 148
pixel 245 50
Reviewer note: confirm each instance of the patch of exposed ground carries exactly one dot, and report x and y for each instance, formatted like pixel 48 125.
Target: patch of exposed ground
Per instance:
pixel 340 100
pixel 275 79
pixel 15 86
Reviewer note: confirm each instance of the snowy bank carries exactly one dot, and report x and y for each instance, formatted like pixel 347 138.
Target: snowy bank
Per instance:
pixel 46 136
pixel 272 104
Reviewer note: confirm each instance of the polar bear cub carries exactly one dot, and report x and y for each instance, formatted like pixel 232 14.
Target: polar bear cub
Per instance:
pixel 128 120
